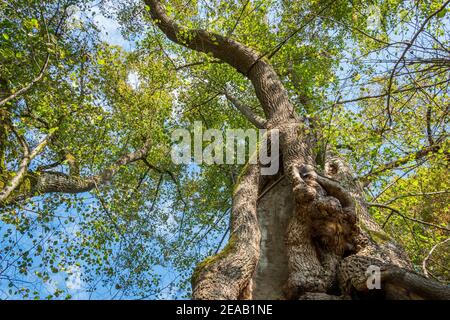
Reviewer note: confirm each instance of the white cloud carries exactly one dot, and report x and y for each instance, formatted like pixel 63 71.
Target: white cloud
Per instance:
pixel 109 28
pixel 74 281
pixel 133 80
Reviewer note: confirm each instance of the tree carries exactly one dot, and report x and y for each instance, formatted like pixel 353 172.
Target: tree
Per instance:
pixel 306 232
pixel 324 242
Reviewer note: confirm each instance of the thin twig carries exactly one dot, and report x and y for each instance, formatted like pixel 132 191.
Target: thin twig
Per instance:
pixel 424 263
pixel 408 46
pixel 379 205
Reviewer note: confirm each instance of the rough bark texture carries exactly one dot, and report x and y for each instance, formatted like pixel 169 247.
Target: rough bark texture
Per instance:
pixel 274 211
pixel 226 275
pixel 329 238
pixel 9 187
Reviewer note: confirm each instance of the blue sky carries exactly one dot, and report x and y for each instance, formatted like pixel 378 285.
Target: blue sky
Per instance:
pixel 110 31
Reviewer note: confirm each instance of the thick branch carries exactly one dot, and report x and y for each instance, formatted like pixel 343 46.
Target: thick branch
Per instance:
pixel 228 274
pixel 225 49
pixel 404 284
pixel 269 89
pixel 258 121
pixel 11 185
pixel 395 282
pixel 48 181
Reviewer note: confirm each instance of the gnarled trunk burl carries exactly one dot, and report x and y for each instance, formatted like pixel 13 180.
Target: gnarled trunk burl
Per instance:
pixel 319 240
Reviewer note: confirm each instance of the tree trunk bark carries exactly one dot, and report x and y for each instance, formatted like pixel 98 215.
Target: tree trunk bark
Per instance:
pixel 307 237
pixel 275 208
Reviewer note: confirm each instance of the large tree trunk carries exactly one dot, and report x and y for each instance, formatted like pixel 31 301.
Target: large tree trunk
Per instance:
pixel 277 208
pixel 309 236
